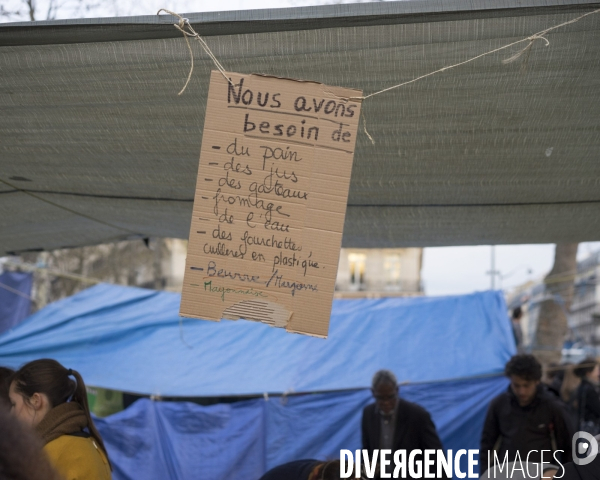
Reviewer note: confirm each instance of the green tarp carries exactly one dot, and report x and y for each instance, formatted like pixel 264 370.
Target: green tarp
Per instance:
pixel 95 144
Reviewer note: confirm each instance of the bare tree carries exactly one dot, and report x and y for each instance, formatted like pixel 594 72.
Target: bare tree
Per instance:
pixel 31 8
pixel 552 322
pixel 9 12
pixel 152 263
pixel 52 9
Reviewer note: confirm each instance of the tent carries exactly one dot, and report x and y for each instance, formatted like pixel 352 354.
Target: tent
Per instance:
pixel 97 146
pixel 308 392
pixel 132 339
pixel 240 441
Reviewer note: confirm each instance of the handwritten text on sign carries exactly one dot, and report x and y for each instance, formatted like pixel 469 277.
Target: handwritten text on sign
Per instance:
pixel 270 201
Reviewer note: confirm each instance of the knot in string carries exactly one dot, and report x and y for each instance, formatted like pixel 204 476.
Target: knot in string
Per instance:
pixel 540 37
pixel 520 53
pixel 185 27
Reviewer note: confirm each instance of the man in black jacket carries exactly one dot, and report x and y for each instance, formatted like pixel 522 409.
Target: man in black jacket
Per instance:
pixel 392 423
pixel 524 420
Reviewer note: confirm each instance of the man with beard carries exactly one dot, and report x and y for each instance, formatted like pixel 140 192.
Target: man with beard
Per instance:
pixel 524 420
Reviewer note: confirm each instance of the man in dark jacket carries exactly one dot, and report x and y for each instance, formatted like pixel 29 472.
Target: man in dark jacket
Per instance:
pixel 586 401
pixel 392 423
pixel 524 419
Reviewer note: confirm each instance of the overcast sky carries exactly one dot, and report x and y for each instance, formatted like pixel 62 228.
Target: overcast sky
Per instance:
pixel 446 271
pixel 456 270
pixel 119 8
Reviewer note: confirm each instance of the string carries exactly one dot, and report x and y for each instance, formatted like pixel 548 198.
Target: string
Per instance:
pixel 184 23
pixel 181 334
pixel 365 128
pixel 185 27
pixel 15 291
pixel 190 32
pixel 67 209
pixel 27 267
pixel 526 49
pixel 531 39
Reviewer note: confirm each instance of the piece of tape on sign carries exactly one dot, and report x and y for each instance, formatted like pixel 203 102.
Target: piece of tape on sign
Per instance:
pixel 270 201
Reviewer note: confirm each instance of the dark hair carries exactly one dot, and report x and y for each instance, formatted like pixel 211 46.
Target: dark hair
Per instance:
pixel 384 377
pixel 585 366
pixel 517 313
pixel 330 471
pixel 21 455
pixel 524 366
pixel 49 377
pixel 5 375
pixel 556 370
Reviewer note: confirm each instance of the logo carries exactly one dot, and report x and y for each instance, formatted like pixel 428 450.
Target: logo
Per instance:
pixel 585 448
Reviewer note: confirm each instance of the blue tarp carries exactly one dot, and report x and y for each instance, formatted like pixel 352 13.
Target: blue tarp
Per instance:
pixel 133 340
pixel 15 298
pixel 176 440
pixel 240 441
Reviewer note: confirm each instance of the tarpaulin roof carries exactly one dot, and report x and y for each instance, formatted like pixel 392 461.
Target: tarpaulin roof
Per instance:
pixel 95 144
pixel 131 339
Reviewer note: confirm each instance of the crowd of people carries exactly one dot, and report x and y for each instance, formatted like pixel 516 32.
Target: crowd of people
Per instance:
pixel 47 431
pixel 531 422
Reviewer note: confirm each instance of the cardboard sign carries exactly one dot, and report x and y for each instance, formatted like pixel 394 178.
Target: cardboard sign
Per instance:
pixel 270 201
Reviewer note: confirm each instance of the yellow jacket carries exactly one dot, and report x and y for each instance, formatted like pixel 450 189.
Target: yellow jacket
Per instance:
pixel 78 458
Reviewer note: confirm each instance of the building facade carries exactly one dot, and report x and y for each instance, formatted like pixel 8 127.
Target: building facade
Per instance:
pixel 160 264
pixel 584 318
pixel 584 314
pixel 379 272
